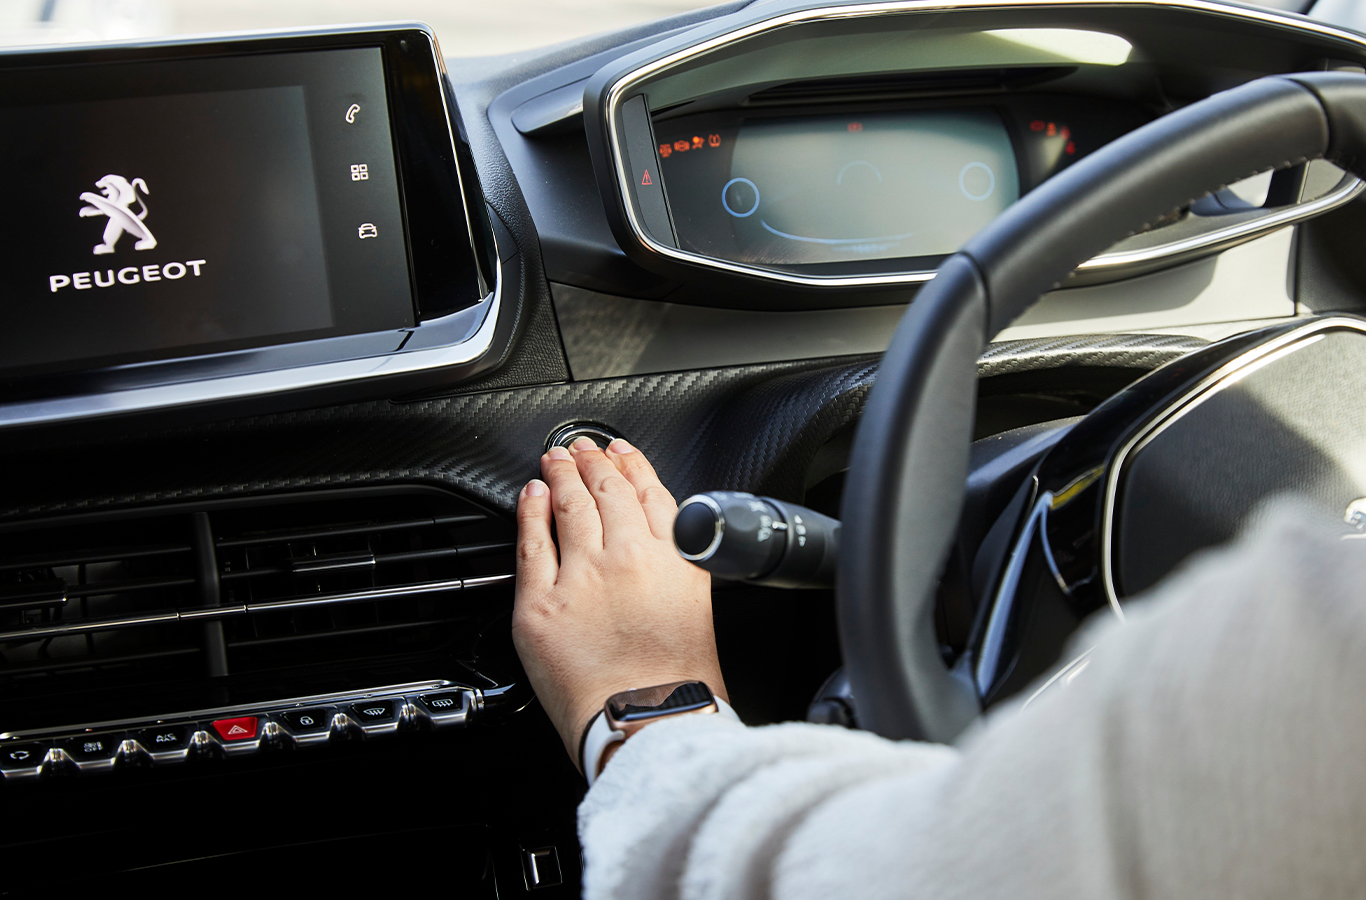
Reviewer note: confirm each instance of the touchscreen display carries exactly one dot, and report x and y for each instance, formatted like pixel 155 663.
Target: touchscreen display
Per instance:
pixel 179 207
pixel 836 189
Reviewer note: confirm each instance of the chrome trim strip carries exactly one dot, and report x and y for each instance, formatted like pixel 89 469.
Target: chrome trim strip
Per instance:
pixel 1228 374
pixel 486 581
pixel 1248 229
pixel 1102 262
pixel 222 612
pixel 431 587
pixel 188 717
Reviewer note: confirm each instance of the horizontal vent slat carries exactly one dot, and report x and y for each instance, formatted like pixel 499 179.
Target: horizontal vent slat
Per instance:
pixel 337 633
pixel 98 662
pixel 33 595
pixel 100 588
pixel 285 535
pixel 89 557
pixel 487 548
pixel 161 617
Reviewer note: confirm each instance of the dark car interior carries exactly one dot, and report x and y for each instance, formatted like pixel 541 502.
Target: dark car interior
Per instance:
pixel 290 319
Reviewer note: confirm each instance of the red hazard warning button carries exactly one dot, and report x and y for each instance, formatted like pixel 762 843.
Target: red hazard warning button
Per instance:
pixel 243 729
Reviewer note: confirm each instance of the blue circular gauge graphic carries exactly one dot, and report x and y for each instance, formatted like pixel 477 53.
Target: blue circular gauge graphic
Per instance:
pixel 726 203
pixel 969 172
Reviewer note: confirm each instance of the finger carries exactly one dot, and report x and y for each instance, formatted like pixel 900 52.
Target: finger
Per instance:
pixel 622 517
pixel 659 505
pixel 576 514
pixel 537 561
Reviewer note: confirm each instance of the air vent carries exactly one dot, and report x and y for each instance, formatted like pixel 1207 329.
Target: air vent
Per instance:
pixel 871 88
pixel 123 615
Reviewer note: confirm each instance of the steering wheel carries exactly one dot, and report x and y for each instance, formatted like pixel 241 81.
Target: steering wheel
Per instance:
pixel 903 494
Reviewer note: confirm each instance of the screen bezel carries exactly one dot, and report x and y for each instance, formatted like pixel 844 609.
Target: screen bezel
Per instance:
pixel 452 262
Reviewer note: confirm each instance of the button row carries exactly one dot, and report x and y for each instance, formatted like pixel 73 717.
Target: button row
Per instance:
pixel 236 736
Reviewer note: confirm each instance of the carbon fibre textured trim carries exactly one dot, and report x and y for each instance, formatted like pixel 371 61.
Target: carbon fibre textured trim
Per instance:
pixel 1126 351
pixel 753 428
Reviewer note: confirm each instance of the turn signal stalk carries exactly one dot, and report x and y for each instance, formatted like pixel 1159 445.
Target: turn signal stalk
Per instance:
pixel 758 539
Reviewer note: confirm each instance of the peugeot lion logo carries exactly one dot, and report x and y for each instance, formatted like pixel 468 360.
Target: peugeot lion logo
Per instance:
pixel 117 203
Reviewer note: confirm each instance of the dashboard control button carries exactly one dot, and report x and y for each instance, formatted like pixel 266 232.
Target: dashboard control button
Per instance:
pixel 239 729
pixel 306 727
pixel 446 708
pixel 92 746
pixel 20 762
pixel 238 736
pixel 167 743
pixel 374 710
pixel 306 720
pixel 376 716
pixel 92 752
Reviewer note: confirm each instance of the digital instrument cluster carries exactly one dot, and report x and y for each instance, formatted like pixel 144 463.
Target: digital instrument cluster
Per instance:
pixel 793 189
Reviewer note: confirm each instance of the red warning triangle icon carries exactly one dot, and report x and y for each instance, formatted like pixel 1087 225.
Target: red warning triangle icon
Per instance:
pixel 237 729
pixel 646 180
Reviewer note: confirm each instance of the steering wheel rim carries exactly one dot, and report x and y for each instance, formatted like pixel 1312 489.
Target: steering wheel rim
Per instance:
pixel 903 493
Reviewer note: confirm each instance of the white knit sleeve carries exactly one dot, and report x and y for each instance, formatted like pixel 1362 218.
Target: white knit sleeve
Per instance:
pixel 1212 747
pixel 694 807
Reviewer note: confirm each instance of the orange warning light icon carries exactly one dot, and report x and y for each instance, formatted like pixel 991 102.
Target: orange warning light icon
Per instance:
pixel 697 142
pixel 665 150
pixel 855 126
pixel 682 146
pixel 714 140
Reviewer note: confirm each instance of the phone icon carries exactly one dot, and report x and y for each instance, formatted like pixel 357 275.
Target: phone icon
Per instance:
pixel 351 113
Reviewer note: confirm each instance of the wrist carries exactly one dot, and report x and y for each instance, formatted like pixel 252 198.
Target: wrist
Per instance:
pixel 628 712
pixel 576 716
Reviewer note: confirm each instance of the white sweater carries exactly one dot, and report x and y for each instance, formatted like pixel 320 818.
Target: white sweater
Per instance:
pixel 1213 747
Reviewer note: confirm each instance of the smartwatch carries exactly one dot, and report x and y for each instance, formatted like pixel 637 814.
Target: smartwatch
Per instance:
pixel 629 711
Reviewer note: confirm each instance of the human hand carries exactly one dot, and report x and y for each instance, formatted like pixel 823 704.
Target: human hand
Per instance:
pixel 616 608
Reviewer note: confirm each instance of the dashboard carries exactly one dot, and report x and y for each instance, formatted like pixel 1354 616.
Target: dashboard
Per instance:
pixel 288 320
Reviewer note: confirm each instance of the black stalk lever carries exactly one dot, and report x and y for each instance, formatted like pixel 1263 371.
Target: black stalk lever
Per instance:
pixel 758 539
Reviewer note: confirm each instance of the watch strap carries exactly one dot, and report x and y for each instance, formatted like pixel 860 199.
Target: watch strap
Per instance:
pixel 600 735
pixel 596 740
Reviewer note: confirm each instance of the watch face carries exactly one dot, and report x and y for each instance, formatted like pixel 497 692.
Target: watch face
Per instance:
pixel 665 699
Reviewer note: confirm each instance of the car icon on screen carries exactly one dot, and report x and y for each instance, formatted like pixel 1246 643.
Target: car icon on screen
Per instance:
pixel 368 231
